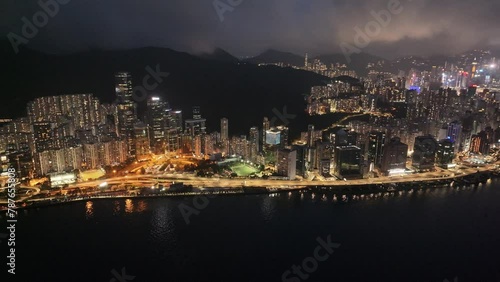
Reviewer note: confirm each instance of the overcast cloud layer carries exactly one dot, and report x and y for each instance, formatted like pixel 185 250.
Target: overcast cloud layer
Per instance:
pixel 424 27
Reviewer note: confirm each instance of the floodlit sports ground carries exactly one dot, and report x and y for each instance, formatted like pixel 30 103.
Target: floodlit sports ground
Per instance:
pixel 242 169
pixel 92 174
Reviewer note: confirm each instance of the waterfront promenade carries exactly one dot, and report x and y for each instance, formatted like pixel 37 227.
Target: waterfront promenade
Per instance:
pixel 150 180
pixel 236 186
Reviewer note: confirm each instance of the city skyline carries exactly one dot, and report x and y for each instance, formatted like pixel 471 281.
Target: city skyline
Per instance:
pixel 238 140
pixel 73 132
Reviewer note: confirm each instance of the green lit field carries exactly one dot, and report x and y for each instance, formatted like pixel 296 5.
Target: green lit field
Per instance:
pixel 242 169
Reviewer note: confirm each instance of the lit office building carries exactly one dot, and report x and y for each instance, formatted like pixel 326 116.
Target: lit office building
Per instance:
pixel 344 137
pixel 157 121
pixel 347 162
pixel 126 110
pixel 454 133
pixel 286 163
pixel 376 143
pixel 273 137
pixel 266 125
pixel 123 87
pixel 424 154
pixel 394 158
pixel 324 154
pixel 284 133
pixel 196 125
pixel 174 131
pixel 445 153
pixel 254 144
pixel 301 164
pixel 310 135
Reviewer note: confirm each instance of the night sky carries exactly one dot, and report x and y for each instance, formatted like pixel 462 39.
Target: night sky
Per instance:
pixel 424 27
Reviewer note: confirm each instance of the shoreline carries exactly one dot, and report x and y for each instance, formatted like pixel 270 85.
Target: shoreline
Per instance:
pixel 355 189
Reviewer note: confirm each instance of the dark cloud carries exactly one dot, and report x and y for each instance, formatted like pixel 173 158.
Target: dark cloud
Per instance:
pixel 423 27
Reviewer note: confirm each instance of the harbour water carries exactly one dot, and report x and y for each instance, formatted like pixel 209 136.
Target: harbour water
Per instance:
pixel 429 234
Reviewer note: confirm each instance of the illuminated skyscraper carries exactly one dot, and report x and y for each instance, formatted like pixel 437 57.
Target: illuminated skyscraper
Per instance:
pixel 273 137
pixel 394 158
pixel 301 164
pixel 310 135
pixel 347 162
pixel 196 112
pixel 287 161
pixel 445 153
pixel 157 121
pixel 123 87
pixel 126 110
pixel 174 130
pixel 376 144
pixel 284 133
pixel 454 133
pixel 424 152
pixel 254 143
pixel 195 127
pixel 324 154
pixel 266 125
pixel 224 129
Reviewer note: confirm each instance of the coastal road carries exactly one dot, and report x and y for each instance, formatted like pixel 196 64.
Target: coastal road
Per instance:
pixel 150 180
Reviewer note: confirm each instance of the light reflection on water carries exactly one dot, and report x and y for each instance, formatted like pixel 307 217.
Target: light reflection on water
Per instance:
pixel 141 206
pixel 162 220
pixel 162 225
pixel 129 206
pixel 116 208
pixel 268 207
pixel 164 243
pixel 337 197
pixel 89 209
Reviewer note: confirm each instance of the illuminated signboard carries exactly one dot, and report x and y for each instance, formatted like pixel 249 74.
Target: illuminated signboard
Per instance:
pixel 273 137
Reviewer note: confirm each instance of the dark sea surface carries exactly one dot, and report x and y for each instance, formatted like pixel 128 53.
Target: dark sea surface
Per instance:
pixel 432 235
